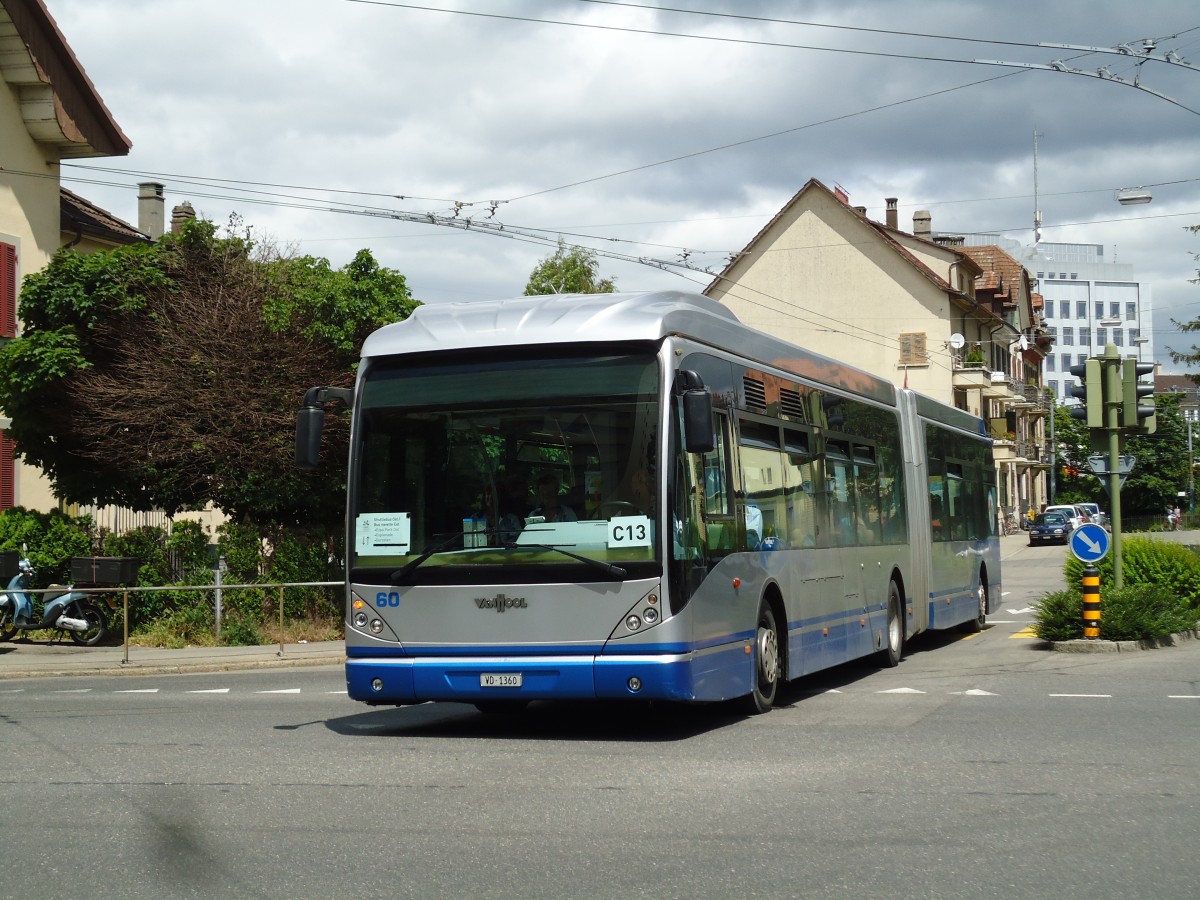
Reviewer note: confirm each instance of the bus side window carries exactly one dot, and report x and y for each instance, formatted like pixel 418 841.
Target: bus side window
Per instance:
pixel 719 527
pixel 802 524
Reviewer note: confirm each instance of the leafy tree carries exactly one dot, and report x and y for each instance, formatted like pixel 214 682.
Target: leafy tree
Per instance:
pixel 569 271
pixel 1162 461
pixel 168 376
pixel 1160 473
pixel 1191 358
pixel 1074 482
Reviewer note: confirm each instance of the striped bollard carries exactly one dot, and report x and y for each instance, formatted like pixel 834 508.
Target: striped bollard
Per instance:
pixel 1091 603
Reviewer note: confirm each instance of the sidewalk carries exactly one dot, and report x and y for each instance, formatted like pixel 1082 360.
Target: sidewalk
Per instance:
pixel 42 657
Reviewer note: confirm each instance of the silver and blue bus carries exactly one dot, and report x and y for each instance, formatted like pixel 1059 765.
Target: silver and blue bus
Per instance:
pixel 637 496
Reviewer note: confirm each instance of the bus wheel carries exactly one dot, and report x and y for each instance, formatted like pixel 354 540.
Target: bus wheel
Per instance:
pixel 767 666
pixel 975 625
pixel 890 655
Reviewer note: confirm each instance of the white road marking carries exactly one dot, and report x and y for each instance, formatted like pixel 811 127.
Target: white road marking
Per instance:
pixel 976 692
pixel 1097 696
pixel 1183 696
pixel 1017 612
pixel 901 691
pixel 211 691
pixel 139 691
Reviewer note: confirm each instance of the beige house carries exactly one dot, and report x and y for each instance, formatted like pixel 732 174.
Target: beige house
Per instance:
pixel 955 323
pixel 49 111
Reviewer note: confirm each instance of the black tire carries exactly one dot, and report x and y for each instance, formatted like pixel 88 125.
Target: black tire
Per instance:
pixel 97 626
pixel 767 663
pixel 7 630
pixel 975 625
pixel 893 634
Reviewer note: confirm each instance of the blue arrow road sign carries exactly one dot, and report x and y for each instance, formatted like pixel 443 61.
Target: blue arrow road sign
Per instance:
pixel 1089 543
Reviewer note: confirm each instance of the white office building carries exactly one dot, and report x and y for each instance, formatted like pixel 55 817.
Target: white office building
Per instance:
pixel 1088 302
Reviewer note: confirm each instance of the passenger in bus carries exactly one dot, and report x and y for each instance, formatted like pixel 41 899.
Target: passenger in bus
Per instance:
pixel 641 492
pixel 514 495
pixel 550 506
pixel 503 514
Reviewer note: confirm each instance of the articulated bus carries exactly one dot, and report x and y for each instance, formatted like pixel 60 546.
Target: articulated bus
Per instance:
pixel 637 496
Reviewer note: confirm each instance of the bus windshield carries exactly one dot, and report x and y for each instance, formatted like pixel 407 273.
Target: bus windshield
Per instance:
pixel 501 468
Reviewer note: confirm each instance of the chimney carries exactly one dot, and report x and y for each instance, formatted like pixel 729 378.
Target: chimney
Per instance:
pixel 892 213
pixel 180 214
pixel 923 224
pixel 151 209
pixel 861 210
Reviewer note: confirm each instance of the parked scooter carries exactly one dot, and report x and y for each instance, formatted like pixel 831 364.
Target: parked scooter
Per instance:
pixel 67 611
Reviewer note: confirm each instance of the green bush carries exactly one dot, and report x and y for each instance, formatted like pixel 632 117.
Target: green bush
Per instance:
pixel 180 617
pixel 48 539
pixel 241 631
pixel 1145 561
pixel 1135 612
pixel 1059 616
pixel 188 549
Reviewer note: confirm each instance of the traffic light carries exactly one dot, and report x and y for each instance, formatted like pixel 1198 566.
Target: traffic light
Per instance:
pixel 1091 392
pixel 1135 414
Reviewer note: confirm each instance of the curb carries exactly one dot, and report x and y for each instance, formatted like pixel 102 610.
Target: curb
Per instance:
pixel 155 661
pixel 1093 646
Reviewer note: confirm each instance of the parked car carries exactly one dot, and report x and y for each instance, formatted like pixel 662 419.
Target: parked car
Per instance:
pixel 1095 515
pixel 1050 528
pixel 1074 514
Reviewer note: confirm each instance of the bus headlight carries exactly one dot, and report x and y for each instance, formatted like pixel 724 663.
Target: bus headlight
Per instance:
pixel 360 620
pixel 650 614
pixel 376 626
pixel 633 623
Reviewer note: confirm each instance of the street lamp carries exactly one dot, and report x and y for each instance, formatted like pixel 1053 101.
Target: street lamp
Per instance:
pixel 1133 196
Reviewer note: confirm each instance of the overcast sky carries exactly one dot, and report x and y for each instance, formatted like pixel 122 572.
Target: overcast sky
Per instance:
pixel 645 132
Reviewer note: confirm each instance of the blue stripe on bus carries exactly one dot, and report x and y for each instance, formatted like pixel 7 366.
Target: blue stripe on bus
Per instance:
pixel 535 650
pixel 717 675
pixel 950 608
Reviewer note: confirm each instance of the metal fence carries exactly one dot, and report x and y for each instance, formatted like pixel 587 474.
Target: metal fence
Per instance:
pixel 217 590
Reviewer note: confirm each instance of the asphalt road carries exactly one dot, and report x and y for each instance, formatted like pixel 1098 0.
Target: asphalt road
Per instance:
pixel 982 766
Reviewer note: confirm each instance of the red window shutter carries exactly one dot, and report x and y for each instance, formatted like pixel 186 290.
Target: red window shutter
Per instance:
pixel 8 291
pixel 8 472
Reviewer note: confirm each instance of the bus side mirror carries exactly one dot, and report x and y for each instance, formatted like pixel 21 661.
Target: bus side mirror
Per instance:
pixel 310 422
pixel 698 434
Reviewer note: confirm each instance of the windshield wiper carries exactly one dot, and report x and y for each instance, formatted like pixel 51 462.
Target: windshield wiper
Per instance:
pixel 404 571
pixel 400 574
pixel 608 568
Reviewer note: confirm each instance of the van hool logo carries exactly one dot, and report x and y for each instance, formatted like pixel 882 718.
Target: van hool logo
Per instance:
pixel 500 603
